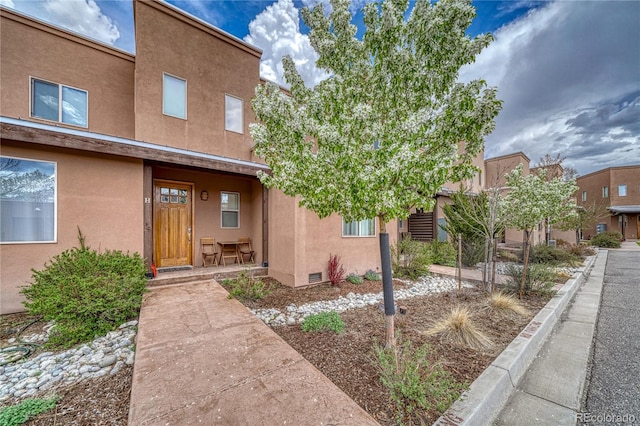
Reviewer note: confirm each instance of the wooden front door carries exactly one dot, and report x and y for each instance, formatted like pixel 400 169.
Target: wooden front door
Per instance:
pixel 172 222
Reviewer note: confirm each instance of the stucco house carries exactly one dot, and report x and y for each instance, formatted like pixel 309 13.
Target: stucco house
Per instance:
pixel 617 191
pixel 146 152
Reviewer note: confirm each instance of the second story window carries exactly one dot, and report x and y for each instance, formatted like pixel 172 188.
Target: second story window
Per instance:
pixel 605 192
pixel 622 190
pixel 174 96
pixel 584 195
pixel 233 114
pixel 57 102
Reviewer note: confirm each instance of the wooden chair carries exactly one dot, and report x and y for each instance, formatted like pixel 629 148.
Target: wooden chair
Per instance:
pixel 245 249
pixel 208 248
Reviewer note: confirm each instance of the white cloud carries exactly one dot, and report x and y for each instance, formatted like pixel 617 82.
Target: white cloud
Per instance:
pixel 276 31
pixel 81 16
pixel 7 3
pixel 568 75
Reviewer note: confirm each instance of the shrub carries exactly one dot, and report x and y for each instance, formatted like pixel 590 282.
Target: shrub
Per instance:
pixel 354 279
pixel 540 278
pixel 507 256
pixel 414 382
pixel 324 321
pixel 459 328
pixel 21 413
pixel 580 250
pixel 443 253
pixel 543 253
pixel 410 259
pixel 246 287
pixel 336 270
pixel 506 305
pixel 607 240
pixel 371 275
pixel 86 293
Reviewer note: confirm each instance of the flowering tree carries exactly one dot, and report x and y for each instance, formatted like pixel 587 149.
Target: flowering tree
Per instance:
pixel 532 199
pixel 383 132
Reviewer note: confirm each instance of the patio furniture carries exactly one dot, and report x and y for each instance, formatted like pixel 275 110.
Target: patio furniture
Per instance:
pixel 208 249
pixel 245 249
pixel 229 250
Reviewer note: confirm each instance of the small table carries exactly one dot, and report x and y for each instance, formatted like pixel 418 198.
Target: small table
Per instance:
pixel 229 249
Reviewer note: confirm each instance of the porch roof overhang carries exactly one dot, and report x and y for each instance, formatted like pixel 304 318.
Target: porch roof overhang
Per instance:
pixel 633 209
pixel 44 134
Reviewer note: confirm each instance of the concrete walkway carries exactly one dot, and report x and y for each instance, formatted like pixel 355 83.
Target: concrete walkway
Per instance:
pixel 204 359
pixel 613 392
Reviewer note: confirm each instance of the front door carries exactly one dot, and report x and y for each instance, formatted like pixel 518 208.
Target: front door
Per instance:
pixel 172 222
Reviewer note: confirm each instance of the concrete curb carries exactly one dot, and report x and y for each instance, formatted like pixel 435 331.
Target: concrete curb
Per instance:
pixel 481 404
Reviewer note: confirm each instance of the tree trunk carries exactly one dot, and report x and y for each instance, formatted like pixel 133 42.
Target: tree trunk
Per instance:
pixel 494 244
pixel 526 263
pixel 387 285
pixel 459 263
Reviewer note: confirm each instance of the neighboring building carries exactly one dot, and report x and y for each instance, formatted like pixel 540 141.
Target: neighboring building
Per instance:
pixel 146 153
pixel 618 190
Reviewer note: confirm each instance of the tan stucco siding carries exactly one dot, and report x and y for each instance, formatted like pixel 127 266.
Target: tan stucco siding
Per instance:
pixel 211 68
pixel 101 195
pixel 30 49
pixel 283 213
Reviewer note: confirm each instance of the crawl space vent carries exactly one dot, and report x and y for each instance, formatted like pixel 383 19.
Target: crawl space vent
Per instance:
pixel 316 277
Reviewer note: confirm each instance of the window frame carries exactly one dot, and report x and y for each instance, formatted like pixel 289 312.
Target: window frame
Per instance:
pixel 241 131
pixel 186 91
pixel 584 196
pixel 623 187
pixel 237 211
pixel 55 202
pixel 374 227
pixel 33 79
pixel 605 191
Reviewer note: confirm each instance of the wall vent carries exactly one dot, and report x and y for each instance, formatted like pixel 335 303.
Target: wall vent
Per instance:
pixel 315 277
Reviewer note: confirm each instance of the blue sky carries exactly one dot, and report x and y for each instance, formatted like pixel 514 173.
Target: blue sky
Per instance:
pixel 568 71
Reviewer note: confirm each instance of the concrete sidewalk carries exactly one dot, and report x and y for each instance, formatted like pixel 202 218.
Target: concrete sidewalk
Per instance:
pixel 550 392
pixel 202 358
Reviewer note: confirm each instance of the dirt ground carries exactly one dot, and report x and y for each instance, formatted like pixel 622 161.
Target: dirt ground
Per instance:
pixel 346 359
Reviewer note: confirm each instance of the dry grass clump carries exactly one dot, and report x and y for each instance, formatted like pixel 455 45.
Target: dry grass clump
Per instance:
pixel 460 329
pixel 506 305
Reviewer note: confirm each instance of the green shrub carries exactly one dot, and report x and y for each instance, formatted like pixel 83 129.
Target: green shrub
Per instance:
pixel 413 382
pixel 246 287
pixel 580 250
pixel 549 255
pixel 507 256
pixel 324 321
pixel 410 259
pixel 354 279
pixel 540 278
pixel 86 293
pixel 371 275
pixel 21 413
pixel 607 240
pixel 443 253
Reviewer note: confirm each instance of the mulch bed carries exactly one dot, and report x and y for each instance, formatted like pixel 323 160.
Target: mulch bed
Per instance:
pixel 346 359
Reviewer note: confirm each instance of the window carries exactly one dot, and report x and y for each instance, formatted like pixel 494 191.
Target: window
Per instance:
pixel 57 102
pixel 480 178
pixel 174 96
pixel 622 190
pixel 584 195
pixel 233 114
pixel 605 191
pixel 363 228
pixel 230 209
pixel 27 200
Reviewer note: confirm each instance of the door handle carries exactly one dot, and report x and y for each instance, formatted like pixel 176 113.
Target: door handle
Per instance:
pixel 189 233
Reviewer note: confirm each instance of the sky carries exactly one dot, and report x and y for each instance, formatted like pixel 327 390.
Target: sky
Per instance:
pixel 567 71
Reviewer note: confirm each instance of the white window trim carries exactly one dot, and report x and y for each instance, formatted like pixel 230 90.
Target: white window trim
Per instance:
pixel 622 185
pixel 605 191
pixel 584 196
pixel 225 113
pixel 186 92
pixel 375 229
pixel 227 210
pixel 60 86
pixel 55 203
